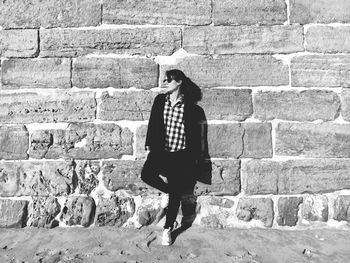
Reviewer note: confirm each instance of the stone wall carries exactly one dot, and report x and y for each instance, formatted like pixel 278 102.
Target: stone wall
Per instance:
pixel 78 79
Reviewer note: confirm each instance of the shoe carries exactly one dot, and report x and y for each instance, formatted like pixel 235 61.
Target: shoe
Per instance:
pixel 164 201
pixel 166 238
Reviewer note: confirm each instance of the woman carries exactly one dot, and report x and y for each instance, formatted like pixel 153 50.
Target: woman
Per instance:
pixel 174 140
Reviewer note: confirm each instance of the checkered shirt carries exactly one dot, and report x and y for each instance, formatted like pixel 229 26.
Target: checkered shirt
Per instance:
pixel 175 139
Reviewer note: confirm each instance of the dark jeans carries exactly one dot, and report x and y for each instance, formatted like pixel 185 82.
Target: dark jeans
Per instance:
pixel 178 167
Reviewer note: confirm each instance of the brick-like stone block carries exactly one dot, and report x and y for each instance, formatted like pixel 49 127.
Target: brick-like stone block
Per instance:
pixel 131 105
pixel 221 202
pixel 54 107
pixel 313 140
pixel 83 141
pixel 342 208
pixel 345 104
pixel 243 39
pixel 18 43
pixel 257 140
pixel 43 212
pixel 321 71
pixel 307 105
pixel 87 172
pixel 140 140
pixel 114 211
pixel 36 178
pixel 266 12
pixel 183 12
pixel 13 142
pixel 315 208
pixel 51 13
pixel 13 213
pixel 321 11
pixel 288 208
pixel 256 208
pixel 233 70
pixel 134 41
pixel 79 211
pixel 36 73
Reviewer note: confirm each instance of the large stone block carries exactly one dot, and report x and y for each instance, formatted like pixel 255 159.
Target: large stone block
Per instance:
pixel 288 208
pixel 87 172
pixel 114 72
pixel 134 41
pixel 342 208
pixel 345 104
pixel 13 142
pixel 186 12
pixel 18 43
pixel 315 208
pixel 234 70
pixel 257 140
pixel 243 39
pixel 13 213
pixel 321 11
pixel 78 211
pixel 36 73
pixel 149 210
pixel 36 178
pixel 313 140
pixel 43 212
pixel 51 13
pixel 256 208
pixel 321 71
pixel 308 105
pixel 57 106
pixel 269 12
pixel 82 141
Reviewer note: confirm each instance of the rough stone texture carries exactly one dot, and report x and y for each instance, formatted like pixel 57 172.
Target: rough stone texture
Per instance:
pixel 36 178
pixel 233 70
pixel 313 140
pixel 227 104
pixel 13 213
pixel 257 140
pixel 87 172
pixel 243 39
pixel 295 176
pixel 56 107
pixel 288 208
pixel 43 212
pixel 307 105
pixel 132 105
pixel 345 104
pixel 269 12
pixel 211 221
pixel 315 208
pixel 328 39
pixel 18 43
pixel 36 73
pixel 13 142
pixel 140 140
pixel 256 208
pixel 114 211
pixel 189 12
pixel 52 13
pixel 342 208
pixel 321 11
pixel 321 71
pixel 134 41
pixel 148 211
pixel 83 141
pixel 221 202
pixel 78 211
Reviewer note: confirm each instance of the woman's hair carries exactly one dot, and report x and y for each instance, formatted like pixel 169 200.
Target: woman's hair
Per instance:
pixel 191 92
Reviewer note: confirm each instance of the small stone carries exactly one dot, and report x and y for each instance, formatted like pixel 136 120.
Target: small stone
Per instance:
pixel 78 211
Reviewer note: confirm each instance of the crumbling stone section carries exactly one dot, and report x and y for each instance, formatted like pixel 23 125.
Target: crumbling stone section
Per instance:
pixel 345 104
pixel 256 208
pixel 43 212
pixel 87 172
pixel 18 43
pixel 148 211
pixel 211 221
pixel 140 139
pixel 221 202
pixel 342 208
pixel 78 211
pixel 13 142
pixel 315 208
pixel 288 208
pixel 13 213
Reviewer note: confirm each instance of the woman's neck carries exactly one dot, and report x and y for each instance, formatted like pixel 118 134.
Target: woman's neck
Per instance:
pixel 174 95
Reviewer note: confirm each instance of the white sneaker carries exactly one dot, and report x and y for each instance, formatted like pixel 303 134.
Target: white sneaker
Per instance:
pixel 166 238
pixel 164 201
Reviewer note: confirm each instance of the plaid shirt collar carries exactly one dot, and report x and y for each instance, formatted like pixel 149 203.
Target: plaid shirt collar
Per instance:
pixel 179 101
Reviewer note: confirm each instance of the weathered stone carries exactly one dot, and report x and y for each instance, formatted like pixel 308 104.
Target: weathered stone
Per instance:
pixel 315 208
pixel 189 12
pixel 256 208
pixel 342 208
pixel 133 105
pixel 121 40
pixel 55 107
pixel 345 104
pixel 307 105
pixel 148 211
pixel 18 43
pixel 227 104
pixel 52 13
pixel 221 202
pixel 257 140
pixel 269 12
pixel 44 211
pixel 13 213
pixel 321 11
pixel 13 142
pixel 233 70
pixel 140 139
pixel 313 140
pixel 84 141
pixel 78 211
pixel 114 211
pixel 36 73
pixel 288 208
pixel 321 71
pixel 211 221
pixel 87 172
pixel 36 178
pixel 243 39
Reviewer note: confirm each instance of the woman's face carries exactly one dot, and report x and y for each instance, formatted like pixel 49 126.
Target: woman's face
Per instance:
pixel 171 85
